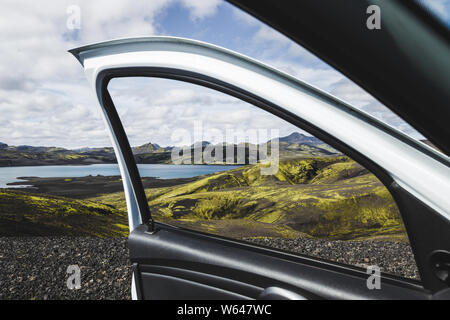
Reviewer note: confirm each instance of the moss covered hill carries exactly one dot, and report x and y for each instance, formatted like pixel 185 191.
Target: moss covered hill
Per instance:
pixel 327 197
pixel 37 156
pixel 26 214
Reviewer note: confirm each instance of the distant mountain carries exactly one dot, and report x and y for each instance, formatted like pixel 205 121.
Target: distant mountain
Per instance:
pixel 146 148
pixel 203 144
pixel 3 145
pixel 26 148
pixel 104 150
pixel 298 138
pixel 301 145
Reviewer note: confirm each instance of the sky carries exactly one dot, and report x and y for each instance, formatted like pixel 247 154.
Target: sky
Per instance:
pixel 45 99
pixel 174 113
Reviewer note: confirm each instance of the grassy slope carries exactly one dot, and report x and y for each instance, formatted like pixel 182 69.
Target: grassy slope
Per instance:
pixel 328 197
pixel 27 214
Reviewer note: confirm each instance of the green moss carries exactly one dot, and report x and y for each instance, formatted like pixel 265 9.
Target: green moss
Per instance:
pixel 25 214
pixel 271 217
pixel 328 197
pixel 122 226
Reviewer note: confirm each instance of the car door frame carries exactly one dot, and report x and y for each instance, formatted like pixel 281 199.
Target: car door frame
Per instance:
pixel 133 57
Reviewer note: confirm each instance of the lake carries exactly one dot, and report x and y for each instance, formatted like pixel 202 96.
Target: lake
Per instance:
pixel 162 171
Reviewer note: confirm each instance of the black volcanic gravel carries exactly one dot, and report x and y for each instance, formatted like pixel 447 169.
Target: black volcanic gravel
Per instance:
pixel 35 267
pixel 392 257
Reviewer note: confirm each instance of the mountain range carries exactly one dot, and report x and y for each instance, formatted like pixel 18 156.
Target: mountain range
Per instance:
pixel 295 144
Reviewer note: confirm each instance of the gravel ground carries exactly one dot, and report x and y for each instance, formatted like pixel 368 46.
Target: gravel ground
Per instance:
pixel 36 267
pixel 392 257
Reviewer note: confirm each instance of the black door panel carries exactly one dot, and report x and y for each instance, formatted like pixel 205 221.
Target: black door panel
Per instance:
pixel 175 263
pixel 159 286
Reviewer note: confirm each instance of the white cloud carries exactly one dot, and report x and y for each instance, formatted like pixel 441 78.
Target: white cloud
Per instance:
pixel 349 92
pixel 323 78
pixel 357 97
pixel 244 17
pixel 273 44
pixel 201 8
pixel 266 33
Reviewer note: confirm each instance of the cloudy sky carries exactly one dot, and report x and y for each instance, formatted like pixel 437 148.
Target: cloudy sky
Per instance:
pixel 45 99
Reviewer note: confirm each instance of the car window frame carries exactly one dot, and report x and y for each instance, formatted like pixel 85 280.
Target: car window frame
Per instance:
pixel 198 79
pixel 100 78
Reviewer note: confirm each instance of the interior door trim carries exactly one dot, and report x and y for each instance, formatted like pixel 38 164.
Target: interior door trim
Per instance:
pixel 183 253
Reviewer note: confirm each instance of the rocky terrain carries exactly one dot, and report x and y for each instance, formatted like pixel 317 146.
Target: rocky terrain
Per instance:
pixel 36 267
pixel 392 257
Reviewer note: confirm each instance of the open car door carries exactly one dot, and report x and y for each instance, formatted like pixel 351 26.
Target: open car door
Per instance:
pixel 175 263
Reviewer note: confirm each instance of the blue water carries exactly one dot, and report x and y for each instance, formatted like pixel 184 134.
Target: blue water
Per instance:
pixel 162 171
